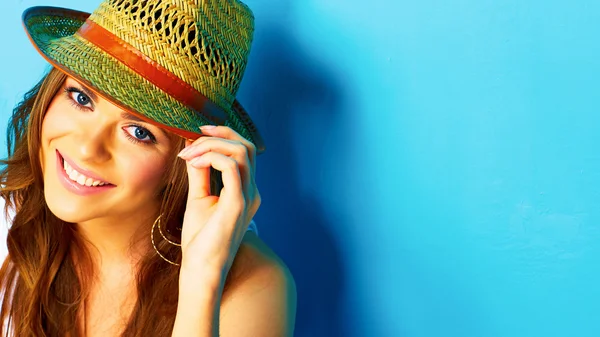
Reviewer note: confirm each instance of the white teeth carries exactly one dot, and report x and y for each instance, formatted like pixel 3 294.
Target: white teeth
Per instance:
pixel 73 175
pixel 80 178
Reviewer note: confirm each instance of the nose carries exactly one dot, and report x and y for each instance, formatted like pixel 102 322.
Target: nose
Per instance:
pixel 94 138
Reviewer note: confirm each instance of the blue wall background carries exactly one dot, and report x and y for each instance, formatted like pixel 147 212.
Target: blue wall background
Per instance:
pixel 432 166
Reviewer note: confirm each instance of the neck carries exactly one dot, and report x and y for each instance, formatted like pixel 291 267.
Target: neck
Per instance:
pixel 117 240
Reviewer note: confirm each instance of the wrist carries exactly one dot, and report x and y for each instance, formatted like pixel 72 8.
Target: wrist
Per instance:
pixel 198 306
pixel 199 285
pixel 196 272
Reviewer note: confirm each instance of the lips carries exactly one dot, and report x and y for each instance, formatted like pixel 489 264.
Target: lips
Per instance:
pixel 79 175
pixel 78 180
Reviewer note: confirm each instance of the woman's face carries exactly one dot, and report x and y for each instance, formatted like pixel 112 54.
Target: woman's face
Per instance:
pixel 98 160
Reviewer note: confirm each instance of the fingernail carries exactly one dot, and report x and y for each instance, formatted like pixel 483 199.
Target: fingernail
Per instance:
pixel 207 127
pixel 184 152
pixel 196 161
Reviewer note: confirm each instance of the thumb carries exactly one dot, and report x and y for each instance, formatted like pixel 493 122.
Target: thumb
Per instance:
pixel 199 181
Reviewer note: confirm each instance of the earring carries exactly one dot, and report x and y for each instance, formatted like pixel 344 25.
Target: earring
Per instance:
pixel 163 235
pixel 157 221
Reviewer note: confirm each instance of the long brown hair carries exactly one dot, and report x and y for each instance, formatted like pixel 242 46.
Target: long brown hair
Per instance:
pixel 45 279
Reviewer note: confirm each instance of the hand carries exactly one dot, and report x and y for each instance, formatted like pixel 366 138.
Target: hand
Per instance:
pixel 213 226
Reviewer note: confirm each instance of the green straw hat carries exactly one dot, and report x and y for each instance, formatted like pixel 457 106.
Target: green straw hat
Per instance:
pixel 175 63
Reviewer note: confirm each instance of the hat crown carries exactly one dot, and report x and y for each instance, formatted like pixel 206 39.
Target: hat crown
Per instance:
pixel 205 43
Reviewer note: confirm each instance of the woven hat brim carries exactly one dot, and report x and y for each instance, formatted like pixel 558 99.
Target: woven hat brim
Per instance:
pixel 52 32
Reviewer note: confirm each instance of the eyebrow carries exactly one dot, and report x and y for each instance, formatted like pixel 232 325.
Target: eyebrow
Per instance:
pixel 127 115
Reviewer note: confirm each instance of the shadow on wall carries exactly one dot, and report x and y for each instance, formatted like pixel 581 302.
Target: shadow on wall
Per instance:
pixel 289 90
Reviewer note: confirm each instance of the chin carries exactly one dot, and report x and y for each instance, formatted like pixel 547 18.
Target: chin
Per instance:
pixel 68 207
pixel 67 211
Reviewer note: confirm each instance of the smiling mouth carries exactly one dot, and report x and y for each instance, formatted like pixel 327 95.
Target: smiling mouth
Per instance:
pixel 79 177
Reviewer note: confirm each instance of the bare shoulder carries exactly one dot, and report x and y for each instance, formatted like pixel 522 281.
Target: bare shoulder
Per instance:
pixel 260 296
pixel 255 262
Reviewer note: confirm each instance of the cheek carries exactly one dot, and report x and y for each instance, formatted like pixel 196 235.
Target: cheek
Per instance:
pixel 57 121
pixel 144 172
pixel 54 124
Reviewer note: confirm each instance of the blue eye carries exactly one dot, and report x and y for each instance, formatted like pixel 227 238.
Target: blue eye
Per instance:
pixel 137 133
pixel 79 98
pixel 141 133
pixel 82 99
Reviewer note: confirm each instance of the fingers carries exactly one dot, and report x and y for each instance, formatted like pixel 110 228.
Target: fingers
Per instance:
pixel 230 148
pixel 216 224
pixel 228 133
pixel 229 144
pixel 233 149
pixel 199 177
pixel 231 196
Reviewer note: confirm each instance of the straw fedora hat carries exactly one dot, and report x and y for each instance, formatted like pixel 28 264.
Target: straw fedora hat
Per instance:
pixel 175 63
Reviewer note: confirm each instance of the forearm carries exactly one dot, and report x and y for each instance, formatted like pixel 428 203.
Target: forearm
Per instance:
pixel 198 306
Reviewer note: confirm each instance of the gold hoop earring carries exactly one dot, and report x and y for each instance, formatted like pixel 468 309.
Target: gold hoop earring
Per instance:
pixel 163 235
pixel 154 244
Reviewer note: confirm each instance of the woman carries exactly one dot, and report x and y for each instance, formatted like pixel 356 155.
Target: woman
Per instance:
pixel 129 206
